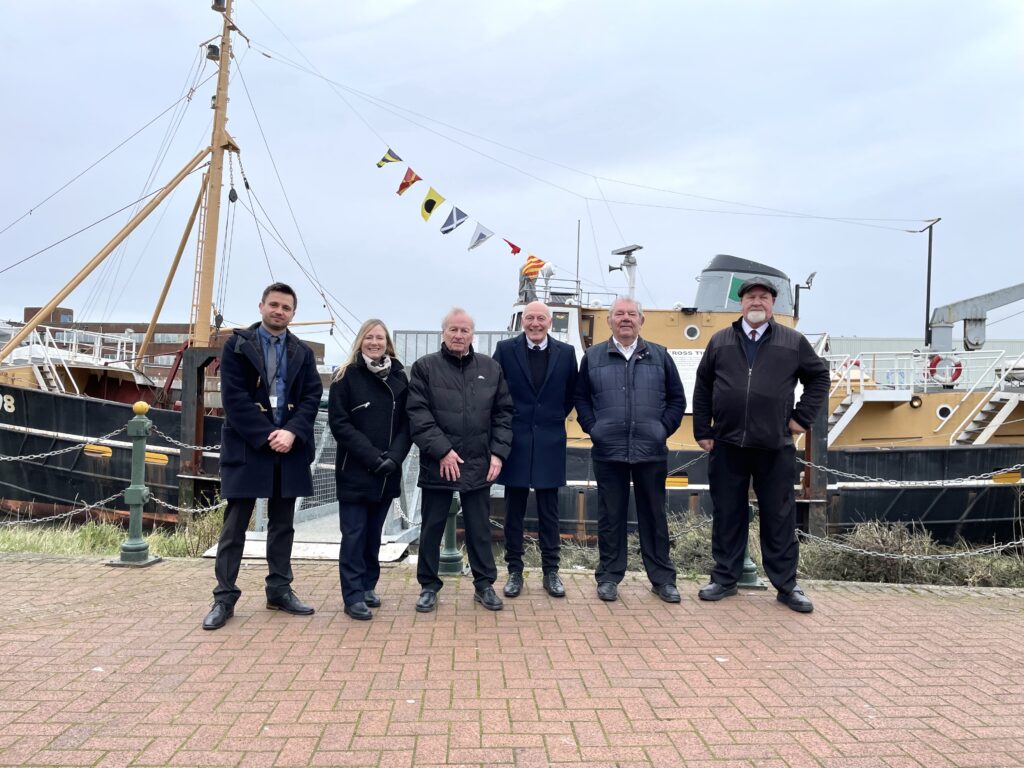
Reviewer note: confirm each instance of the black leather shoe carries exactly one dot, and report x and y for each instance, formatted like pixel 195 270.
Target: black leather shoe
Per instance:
pixel 359 611
pixel 608 591
pixel 666 592
pixel 290 603
pixel 514 585
pixel 715 591
pixel 796 600
pixel 371 598
pixel 427 601
pixel 488 599
pixel 553 584
pixel 218 616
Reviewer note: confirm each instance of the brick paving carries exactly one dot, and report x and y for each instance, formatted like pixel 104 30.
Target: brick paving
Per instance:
pixel 109 667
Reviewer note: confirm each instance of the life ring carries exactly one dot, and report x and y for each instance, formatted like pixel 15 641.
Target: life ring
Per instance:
pixel 945 370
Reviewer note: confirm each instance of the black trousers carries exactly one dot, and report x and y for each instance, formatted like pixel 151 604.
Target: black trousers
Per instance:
pixel 280 534
pixel 476 518
pixel 730 471
pixel 547 525
pixel 359 554
pixel 648 478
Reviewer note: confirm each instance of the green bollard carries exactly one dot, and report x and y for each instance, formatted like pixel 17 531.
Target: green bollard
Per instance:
pixel 451 555
pixel 134 549
pixel 749 578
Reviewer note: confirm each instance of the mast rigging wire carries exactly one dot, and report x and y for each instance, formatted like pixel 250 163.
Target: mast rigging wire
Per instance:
pixel 80 174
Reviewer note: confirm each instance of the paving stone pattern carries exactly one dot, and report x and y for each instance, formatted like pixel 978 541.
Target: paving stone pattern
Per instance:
pixel 109 667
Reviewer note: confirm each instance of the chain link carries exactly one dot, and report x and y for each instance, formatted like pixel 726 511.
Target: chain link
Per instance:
pixel 192 510
pixel 59 451
pixel 869 479
pixel 180 444
pixel 690 463
pixel 838 546
pixel 62 515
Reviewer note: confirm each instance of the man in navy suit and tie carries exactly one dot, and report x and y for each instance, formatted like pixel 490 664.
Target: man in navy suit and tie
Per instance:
pixel 541 376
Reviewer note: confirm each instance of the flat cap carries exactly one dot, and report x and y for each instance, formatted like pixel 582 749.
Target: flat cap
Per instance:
pixel 758 282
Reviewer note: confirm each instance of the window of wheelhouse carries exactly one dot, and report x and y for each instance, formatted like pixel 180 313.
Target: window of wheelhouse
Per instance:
pixel 516 323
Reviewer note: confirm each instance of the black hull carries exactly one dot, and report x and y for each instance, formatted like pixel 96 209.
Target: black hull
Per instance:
pixel 43 421
pixel 981 512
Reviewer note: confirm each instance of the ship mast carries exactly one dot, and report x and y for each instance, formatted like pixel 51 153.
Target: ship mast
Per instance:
pixel 206 254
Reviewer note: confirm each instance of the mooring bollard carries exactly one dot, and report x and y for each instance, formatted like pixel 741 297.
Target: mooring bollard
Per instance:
pixel 749 578
pixel 451 555
pixel 134 549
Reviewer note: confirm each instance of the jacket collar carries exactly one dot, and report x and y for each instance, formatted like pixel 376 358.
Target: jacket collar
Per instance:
pixel 455 359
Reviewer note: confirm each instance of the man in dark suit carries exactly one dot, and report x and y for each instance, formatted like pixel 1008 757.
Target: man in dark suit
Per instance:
pixel 271 391
pixel 541 376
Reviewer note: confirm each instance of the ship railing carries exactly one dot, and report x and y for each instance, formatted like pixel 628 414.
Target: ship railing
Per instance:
pixel 917 371
pixel 89 347
pixel 51 343
pixel 1003 374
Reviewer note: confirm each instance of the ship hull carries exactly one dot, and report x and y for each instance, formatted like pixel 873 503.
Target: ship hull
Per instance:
pixel 39 422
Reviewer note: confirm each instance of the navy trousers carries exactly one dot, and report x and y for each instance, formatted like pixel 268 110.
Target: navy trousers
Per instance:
pixel 730 470
pixel 476 518
pixel 547 527
pixel 648 478
pixel 359 555
pixel 280 535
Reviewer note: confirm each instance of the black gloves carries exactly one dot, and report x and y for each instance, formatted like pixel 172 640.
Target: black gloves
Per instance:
pixel 385 466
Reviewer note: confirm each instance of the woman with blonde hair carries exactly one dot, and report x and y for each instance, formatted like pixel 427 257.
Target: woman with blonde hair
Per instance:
pixel 366 414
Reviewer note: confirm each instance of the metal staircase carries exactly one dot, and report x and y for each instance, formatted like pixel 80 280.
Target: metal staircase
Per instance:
pixel 991 416
pixel 850 406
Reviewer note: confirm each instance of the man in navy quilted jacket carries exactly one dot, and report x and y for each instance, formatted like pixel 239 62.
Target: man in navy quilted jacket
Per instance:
pixel 629 399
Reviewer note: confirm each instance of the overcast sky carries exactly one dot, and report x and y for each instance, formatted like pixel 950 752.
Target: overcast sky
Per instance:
pixel 874 110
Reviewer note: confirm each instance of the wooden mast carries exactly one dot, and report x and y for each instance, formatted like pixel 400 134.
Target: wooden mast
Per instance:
pixel 206 262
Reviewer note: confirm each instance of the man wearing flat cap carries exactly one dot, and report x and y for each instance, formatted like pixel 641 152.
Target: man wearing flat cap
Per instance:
pixel 743 415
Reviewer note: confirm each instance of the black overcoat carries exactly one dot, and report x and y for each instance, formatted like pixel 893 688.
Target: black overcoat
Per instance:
pixel 246 459
pixel 537 459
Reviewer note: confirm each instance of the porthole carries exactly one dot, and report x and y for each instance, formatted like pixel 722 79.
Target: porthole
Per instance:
pixel 943 412
pixel 692 332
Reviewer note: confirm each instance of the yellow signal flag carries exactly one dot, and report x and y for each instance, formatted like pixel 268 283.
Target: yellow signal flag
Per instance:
pixel 430 203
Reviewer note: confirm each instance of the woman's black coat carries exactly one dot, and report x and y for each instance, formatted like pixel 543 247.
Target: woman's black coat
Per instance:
pixel 368 419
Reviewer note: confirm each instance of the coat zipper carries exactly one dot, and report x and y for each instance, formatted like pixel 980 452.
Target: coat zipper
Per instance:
pixel 391 433
pixel 359 407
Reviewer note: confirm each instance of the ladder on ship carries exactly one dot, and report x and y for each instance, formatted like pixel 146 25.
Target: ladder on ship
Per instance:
pixel 991 416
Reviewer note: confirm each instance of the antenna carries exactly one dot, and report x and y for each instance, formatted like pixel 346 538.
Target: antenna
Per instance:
pixel 629 265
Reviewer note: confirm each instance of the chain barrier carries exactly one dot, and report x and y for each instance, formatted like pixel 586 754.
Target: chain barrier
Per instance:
pixel 839 546
pixel 191 510
pixel 180 444
pixel 59 451
pixel 62 515
pixel 869 479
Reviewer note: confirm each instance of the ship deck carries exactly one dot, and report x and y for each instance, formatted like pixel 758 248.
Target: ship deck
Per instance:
pixel 109 666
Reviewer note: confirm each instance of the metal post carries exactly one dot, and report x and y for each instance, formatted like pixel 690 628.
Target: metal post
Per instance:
pixel 134 549
pixel 928 285
pixel 749 578
pixel 451 555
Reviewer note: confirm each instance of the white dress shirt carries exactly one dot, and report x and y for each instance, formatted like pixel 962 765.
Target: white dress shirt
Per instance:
pixel 627 352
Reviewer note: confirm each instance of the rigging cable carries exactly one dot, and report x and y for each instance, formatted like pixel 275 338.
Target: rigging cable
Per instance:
pixel 89 226
pixel 107 278
pixel 280 182
pixel 391 108
pixel 259 232
pixel 79 175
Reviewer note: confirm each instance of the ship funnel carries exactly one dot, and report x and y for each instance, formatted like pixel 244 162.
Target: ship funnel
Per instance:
pixel 721 278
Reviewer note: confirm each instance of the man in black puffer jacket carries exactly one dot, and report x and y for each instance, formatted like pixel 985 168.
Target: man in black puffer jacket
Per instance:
pixel 460 412
pixel 629 399
pixel 743 415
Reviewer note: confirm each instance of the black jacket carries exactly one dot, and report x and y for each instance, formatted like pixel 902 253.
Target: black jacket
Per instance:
pixel 751 407
pixel 246 460
pixel 461 403
pixel 367 417
pixel 629 408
